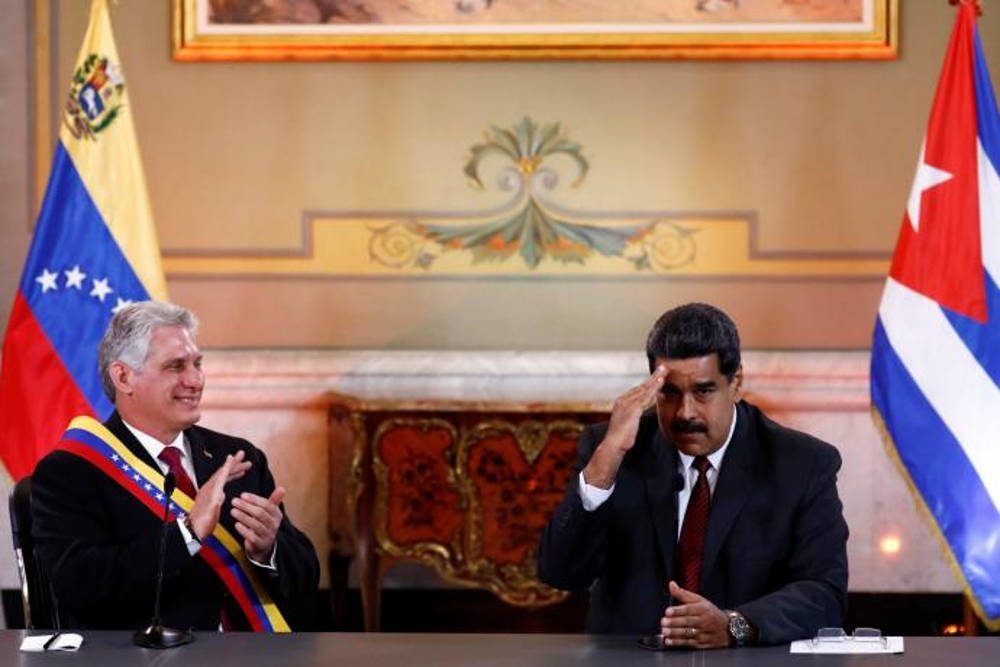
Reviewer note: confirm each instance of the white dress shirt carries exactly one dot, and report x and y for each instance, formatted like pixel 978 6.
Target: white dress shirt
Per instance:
pixel 593 497
pixel 154 447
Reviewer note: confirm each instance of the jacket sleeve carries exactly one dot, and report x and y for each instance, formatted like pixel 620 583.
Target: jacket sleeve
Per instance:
pixel 571 553
pixel 815 592
pixel 295 578
pixel 85 562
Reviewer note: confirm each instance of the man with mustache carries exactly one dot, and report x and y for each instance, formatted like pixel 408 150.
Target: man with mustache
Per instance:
pixel 692 515
pixel 95 534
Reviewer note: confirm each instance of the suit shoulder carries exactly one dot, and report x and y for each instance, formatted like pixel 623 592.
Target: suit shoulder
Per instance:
pixel 62 478
pixel 217 437
pixel 222 442
pixel 788 442
pixel 57 463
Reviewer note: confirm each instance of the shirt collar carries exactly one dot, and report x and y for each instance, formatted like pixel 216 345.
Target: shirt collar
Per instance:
pixel 715 458
pixel 153 446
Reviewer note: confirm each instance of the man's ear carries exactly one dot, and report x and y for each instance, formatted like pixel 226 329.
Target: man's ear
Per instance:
pixel 736 384
pixel 122 377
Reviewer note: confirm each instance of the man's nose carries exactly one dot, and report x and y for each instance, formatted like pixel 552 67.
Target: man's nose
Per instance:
pixel 687 410
pixel 193 377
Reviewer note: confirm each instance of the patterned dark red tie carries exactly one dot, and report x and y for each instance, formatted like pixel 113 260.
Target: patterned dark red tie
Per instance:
pixel 172 457
pixel 689 546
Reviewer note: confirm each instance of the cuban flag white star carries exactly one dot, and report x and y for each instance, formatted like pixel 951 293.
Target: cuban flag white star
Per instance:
pixel 47 280
pixel 101 289
pixel 74 277
pixel 121 304
pixel 925 179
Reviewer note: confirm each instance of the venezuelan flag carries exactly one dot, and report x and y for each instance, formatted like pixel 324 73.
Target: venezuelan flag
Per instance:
pixel 94 250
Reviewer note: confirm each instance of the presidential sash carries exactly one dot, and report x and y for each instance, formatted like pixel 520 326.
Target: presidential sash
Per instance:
pixel 90 440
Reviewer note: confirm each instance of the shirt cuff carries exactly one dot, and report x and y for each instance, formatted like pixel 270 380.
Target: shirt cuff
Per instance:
pixel 593 497
pixel 270 565
pixel 192 543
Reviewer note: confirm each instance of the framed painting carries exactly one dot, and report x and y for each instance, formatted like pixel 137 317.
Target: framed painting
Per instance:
pixel 263 30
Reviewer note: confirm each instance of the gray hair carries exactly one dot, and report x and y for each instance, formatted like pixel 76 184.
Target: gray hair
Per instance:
pixel 129 332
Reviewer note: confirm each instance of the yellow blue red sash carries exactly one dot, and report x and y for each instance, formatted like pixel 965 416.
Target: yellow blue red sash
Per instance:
pixel 90 440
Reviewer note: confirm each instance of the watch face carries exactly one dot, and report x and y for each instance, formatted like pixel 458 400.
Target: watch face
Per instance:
pixel 738 628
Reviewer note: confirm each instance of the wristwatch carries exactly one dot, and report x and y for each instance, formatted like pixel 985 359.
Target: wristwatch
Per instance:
pixel 739 628
pixel 186 520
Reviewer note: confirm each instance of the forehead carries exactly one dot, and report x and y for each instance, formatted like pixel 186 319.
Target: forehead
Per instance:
pixel 170 342
pixel 692 369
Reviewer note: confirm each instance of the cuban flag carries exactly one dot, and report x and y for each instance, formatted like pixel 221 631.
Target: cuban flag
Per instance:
pixel 94 250
pixel 935 375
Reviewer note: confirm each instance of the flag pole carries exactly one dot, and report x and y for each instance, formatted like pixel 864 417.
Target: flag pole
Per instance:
pixel 969 618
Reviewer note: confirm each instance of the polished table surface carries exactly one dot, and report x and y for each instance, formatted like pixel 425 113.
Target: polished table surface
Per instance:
pixel 412 650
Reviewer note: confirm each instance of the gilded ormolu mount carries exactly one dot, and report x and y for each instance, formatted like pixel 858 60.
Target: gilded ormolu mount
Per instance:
pixel 530 225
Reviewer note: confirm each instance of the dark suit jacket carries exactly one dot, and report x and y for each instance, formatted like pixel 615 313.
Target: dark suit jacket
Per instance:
pixel 99 544
pixel 775 547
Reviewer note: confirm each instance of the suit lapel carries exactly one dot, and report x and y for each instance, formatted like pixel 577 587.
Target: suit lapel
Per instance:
pixel 731 491
pixel 204 460
pixel 660 466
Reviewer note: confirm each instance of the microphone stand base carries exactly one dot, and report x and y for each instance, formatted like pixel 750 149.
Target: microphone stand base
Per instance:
pixel 157 636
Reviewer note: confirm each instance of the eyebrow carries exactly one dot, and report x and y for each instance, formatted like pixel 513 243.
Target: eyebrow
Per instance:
pixel 181 360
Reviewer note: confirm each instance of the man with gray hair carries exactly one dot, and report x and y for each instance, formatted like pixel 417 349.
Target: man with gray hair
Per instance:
pixel 96 537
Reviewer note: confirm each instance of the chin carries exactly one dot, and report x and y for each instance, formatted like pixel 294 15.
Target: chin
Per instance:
pixel 189 418
pixel 695 447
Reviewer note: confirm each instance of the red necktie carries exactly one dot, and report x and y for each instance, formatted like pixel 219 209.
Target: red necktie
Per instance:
pixel 689 546
pixel 172 457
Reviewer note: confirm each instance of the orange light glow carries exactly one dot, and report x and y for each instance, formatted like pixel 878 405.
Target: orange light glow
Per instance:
pixel 890 545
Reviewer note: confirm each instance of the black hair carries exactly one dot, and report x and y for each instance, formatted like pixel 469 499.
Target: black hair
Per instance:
pixel 695 330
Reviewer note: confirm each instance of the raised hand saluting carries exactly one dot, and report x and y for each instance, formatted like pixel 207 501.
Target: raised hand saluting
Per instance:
pixel 623 426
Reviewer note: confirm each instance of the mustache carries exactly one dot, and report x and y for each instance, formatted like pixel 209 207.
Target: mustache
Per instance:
pixel 687 426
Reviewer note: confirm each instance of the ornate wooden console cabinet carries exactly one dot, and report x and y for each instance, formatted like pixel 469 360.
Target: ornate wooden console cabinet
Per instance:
pixel 463 487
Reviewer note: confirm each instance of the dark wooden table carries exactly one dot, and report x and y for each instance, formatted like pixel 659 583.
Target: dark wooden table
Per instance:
pixel 113 649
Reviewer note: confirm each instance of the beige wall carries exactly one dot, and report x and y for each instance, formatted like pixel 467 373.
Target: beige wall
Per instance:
pixel 15 219
pixel 237 153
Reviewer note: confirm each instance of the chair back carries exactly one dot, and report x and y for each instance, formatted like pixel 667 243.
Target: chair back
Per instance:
pixel 35 591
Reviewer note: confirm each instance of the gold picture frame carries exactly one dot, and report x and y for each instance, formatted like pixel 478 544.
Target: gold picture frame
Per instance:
pixel 708 29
